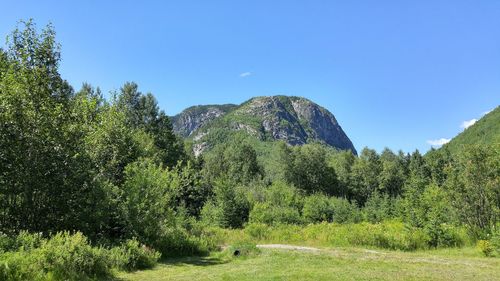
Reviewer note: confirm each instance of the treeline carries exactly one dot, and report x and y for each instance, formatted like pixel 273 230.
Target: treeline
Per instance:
pixel 314 183
pixel 115 171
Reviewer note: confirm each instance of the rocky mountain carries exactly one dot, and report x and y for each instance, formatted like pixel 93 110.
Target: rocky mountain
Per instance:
pixel 294 120
pixel 195 117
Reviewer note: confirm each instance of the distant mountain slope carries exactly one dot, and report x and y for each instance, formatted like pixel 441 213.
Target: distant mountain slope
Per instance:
pixel 294 120
pixel 194 117
pixel 485 131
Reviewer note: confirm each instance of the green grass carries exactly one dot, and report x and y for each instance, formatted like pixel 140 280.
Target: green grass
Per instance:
pixel 392 235
pixel 329 264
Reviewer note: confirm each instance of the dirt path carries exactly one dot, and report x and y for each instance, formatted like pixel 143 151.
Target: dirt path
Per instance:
pixel 288 247
pixel 374 255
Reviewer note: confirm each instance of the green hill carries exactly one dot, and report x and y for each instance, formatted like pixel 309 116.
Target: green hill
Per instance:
pixel 485 131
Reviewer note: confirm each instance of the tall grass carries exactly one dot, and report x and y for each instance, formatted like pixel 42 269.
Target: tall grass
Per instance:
pixel 68 256
pixel 392 235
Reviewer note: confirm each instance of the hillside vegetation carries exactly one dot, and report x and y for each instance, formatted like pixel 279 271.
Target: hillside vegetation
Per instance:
pixel 92 188
pixel 485 131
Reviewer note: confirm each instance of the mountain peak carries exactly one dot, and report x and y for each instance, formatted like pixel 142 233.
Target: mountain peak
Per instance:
pixel 292 119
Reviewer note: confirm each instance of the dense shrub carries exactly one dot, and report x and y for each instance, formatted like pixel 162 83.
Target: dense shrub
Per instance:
pixel 228 208
pixel 272 214
pixel 280 204
pixel 490 247
pixel 6 242
pixel 63 257
pixel 485 247
pixel 257 231
pixel 21 266
pixel 317 208
pixel 67 256
pixel 132 255
pixel 495 239
pixel 379 207
pixel 176 242
pixel 344 211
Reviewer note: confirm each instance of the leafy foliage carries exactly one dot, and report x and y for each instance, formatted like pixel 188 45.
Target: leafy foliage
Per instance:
pixel 483 132
pixel 115 175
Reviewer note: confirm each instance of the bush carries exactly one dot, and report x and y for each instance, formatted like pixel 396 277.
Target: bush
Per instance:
pixel 26 241
pixel 281 205
pixel 344 211
pixel 229 208
pixel 379 207
pixel 495 240
pixel 317 208
pixel 272 214
pixel 20 266
pixel 6 243
pixel 132 255
pixel 490 247
pixel 71 257
pixel 176 242
pixel 258 231
pixel 485 247
pixel 445 235
pixel 63 257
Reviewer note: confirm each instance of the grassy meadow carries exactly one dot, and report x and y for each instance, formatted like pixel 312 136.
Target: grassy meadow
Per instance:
pixel 333 252
pixel 329 264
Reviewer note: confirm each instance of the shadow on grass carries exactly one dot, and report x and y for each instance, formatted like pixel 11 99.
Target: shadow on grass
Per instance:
pixel 195 260
pixel 180 261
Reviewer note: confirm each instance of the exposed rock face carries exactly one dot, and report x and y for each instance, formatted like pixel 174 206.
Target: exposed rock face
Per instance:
pixel 193 118
pixel 294 120
pixel 322 124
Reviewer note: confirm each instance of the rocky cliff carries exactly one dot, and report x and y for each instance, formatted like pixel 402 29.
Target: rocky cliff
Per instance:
pixel 294 120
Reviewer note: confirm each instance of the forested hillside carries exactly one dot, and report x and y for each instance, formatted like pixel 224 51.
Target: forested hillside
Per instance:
pixel 485 131
pixel 90 185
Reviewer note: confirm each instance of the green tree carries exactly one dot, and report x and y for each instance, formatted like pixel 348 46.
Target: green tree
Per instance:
pixel 380 207
pixel 365 175
pixel 392 175
pixel 113 145
pixel 317 208
pixel 280 204
pixel 342 163
pixel 308 170
pixel 142 112
pixel 474 185
pixel 148 199
pixel 45 180
pixel 191 190
pixel 229 206
pixel 234 160
pixel 437 160
pixel 344 211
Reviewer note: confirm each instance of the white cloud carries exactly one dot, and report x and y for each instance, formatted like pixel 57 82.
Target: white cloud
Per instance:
pixel 486 112
pixel 466 124
pixel 245 74
pixel 438 142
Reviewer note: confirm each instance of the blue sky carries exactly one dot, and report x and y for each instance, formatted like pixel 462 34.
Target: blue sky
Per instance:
pixel 396 74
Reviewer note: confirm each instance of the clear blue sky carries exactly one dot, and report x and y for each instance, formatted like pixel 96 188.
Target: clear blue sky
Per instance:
pixel 394 73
